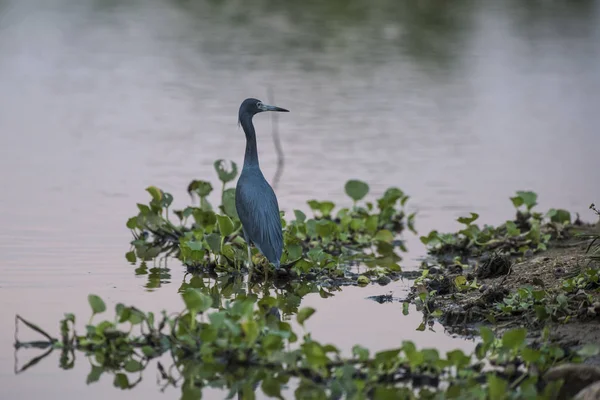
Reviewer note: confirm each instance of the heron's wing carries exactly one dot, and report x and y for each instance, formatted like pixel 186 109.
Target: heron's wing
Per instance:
pixel 258 210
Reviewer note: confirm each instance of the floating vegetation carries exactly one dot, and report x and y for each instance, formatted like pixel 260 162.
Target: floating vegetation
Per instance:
pixel 493 281
pixel 529 232
pixel 244 345
pixel 323 247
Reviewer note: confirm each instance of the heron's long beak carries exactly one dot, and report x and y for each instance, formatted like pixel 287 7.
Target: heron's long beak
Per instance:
pixel 266 107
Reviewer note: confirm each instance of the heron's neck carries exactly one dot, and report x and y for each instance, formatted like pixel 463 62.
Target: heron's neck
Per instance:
pixel 251 156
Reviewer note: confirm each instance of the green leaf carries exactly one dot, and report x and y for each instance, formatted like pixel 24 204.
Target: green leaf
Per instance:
pixel 386 356
pixel 528 198
pixel 195 300
pixel 360 352
pixel 96 303
pixel 384 236
pixel 460 281
pixel 325 207
pixel 324 228
pixel 214 242
pixel 130 256
pixel 304 314
pixel 468 220
pixel 514 338
pixel 201 188
pixel 314 205
pixel 356 189
pixel 191 393
pixel 228 203
pixel 155 192
pixel 371 224
pixel 225 225
pixel 486 335
pixel 363 280
pixel 589 350
pixel 511 229
pixel 133 366
pixel 497 387
pixel 132 223
pixel 271 387
pixel 121 381
pixel 250 329
pixel 225 175
pixel 300 216
pixel 294 251
pixel 560 216
pixel 94 374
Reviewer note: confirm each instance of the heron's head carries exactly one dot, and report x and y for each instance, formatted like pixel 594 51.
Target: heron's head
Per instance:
pixel 254 106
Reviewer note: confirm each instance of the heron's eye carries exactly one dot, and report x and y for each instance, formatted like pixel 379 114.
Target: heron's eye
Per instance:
pixel 259 104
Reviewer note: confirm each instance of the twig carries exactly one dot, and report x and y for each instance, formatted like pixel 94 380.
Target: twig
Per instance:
pixel 276 141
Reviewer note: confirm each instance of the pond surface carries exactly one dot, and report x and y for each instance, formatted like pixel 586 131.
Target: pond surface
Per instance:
pixel 458 104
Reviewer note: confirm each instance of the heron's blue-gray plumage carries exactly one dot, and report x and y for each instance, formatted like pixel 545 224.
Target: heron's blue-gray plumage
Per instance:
pixel 259 213
pixel 255 199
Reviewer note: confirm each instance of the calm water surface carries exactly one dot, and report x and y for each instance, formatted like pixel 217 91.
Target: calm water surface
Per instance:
pixel 458 105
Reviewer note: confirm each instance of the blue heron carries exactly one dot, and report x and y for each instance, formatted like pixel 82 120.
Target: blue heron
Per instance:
pixel 255 199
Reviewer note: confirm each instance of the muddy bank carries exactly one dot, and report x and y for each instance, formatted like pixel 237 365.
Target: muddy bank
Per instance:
pixel 558 288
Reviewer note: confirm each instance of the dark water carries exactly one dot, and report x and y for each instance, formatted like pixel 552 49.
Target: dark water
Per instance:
pixel 458 103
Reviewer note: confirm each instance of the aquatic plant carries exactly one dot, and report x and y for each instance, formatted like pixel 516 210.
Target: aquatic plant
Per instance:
pixel 326 245
pixel 244 344
pixel 529 232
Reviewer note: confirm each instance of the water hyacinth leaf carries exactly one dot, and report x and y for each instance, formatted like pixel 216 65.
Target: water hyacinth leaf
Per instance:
pixel 133 366
pixel 300 216
pixel 315 354
pixel 486 334
pixel 511 229
pixel 132 223
pixel 271 387
pixel 468 220
pixel 214 242
pixel 225 225
pixel 155 192
pixel 251 330
pixel 384 236
pixel 294 251
pixel 356 189
pixel 324 228
pixel 130 256
pixel 121 381
pixel 94 374
pixel 387 356
pixel 314 205
pixel 226 174
pixel 371 224
pixel 497 387
pixel 326 207
pixel 195 300
pixel 96 303
pixel 304 314
pixel 228 203
pixel 589 350
pixel 559 215
pixel 527 198
pixel 192 393
pixel 360 352
pixel 514 338
pixel 460 281
pixel 201 188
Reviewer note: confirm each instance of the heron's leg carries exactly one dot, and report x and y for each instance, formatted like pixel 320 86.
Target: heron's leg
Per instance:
pixel 249 261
